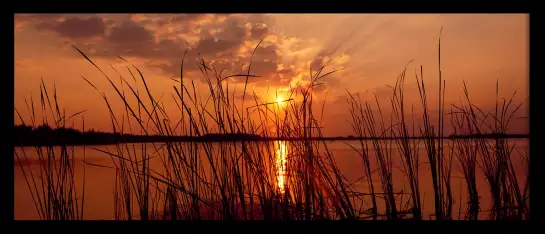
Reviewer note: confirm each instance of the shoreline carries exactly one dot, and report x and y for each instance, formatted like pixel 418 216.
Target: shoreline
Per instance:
pixel 158 139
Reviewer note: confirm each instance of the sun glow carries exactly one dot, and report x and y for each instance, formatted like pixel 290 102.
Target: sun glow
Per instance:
pixel 281 101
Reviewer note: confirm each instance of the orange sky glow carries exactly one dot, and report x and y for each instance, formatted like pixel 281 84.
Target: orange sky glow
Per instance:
pixel 371 49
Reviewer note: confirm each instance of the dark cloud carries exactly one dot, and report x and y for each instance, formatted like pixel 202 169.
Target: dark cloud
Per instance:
pixel 231 36
pixel 259 31
pixel 226 66
pixel 173 68
pixel 260 19
pixel 184 18
pixel 224 43
pixel 130 32
pixel 75 27
pixel 66 25
pixel 263 68
pixel 234 30
pixel 266 53
pixel 131 39
pixel 211 46
pixel 265 63
pixel 36 17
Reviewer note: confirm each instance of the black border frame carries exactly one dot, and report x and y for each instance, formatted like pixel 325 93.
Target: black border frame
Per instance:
pixel 315 7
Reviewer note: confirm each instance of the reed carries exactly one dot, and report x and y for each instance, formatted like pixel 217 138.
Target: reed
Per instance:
pixel 284 180
pixel 52 186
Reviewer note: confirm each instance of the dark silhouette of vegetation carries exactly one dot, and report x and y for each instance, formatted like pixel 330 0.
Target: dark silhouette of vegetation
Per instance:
pixel 46 135
pixel 227 181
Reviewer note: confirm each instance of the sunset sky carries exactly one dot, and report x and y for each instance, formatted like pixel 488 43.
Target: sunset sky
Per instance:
pixel 373 49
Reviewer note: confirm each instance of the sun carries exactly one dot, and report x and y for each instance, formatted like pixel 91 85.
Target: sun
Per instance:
pixel 281 101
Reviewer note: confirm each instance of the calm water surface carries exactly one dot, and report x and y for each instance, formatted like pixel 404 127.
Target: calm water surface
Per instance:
pixel 100 181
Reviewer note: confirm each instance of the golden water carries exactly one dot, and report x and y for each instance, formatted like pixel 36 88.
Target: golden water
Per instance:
pixel 281 159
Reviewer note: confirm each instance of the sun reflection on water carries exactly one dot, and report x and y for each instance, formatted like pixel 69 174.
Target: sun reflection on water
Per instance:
pixel 281 157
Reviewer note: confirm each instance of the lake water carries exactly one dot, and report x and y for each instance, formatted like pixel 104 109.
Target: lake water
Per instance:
pixel 100 181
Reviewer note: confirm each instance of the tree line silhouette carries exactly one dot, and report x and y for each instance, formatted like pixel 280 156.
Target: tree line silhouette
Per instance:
pixel 45 135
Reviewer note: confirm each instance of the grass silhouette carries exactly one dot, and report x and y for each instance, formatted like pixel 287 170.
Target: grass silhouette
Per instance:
pixel 239 180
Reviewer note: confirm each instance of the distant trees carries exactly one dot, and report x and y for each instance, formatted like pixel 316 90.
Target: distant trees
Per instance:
pixel 45 135
pixel 23 129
